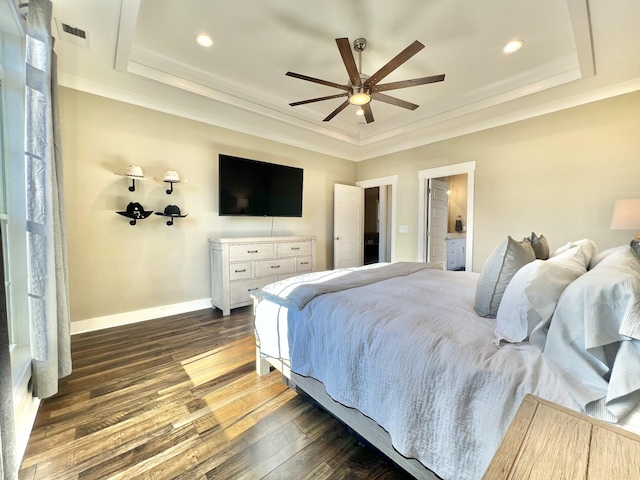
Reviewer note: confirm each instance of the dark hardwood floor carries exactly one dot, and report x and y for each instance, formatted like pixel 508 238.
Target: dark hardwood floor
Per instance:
pixel 178 397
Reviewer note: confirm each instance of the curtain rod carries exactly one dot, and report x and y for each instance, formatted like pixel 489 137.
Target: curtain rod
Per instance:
pixel 21 6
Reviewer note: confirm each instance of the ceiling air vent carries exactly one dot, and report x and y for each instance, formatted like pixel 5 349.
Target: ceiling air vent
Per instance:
pixel 74 31
pixel 72 34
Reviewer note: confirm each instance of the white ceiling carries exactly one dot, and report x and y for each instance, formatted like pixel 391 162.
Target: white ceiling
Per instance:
pixel 144 52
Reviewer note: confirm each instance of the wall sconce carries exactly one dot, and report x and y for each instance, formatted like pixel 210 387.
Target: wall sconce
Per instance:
pixel 626 216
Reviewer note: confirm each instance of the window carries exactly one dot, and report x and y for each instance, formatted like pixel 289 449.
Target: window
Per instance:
pixel 12 183
pixel 4 228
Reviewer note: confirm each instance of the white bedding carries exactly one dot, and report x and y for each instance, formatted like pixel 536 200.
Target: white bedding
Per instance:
pixel 411 354
pixel 296 292
pixel 593 341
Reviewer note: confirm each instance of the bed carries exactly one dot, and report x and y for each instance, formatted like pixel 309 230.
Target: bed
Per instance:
pixel 406 355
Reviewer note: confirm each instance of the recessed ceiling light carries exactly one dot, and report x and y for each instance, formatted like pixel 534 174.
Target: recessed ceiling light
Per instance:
pixel 204 40
pixel 360 111
pixel 513 46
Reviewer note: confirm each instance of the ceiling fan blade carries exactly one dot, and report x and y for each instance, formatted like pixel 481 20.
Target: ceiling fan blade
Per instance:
pixel 394 101
pixel 368 114
pixel 317 80
pixel 337 111
pixel 312 100
pixel 394 63
pixel 349 62
pixel 407 83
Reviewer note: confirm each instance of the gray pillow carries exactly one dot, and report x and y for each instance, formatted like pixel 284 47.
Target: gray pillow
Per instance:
pixel 498 271
pixel 540 246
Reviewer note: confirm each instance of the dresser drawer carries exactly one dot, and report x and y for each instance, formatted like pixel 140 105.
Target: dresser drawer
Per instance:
pixel 280 266
pixel 239 271
pixel 248 251
pixel 240 292
pixel 305 264
pixel 290 249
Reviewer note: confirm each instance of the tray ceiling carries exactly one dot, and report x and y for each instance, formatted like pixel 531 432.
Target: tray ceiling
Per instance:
pixel 145 52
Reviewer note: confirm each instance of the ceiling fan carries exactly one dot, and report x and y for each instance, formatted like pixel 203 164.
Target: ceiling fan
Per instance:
pixel 361 88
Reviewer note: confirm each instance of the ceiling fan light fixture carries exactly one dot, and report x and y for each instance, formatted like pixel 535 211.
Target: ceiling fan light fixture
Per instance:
pixel 359 99
pixel 359 96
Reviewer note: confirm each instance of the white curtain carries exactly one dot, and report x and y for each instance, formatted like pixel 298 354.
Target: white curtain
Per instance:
pixel 46 242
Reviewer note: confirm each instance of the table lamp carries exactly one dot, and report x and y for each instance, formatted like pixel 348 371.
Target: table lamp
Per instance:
pixel 626 216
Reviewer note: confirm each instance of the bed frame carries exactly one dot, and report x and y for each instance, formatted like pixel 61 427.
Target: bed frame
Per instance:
pixel 365 427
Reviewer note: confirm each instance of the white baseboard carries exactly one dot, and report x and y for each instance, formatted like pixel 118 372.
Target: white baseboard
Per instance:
pixel 108 321
pixel 25 409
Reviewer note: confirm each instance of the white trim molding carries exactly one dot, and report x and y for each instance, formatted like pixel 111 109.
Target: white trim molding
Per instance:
pixel 391 180
pixel 126 318
pixel 25 408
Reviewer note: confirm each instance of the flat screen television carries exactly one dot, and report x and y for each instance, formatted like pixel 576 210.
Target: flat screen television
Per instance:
pixel 259 189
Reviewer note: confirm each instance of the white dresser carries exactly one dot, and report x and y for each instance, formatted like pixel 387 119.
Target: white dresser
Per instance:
pixel 241 265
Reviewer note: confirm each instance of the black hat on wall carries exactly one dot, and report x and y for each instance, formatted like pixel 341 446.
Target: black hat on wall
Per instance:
pixel 172 211
pixel 136 211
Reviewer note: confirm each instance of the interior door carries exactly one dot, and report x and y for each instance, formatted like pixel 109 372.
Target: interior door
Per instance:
pixel 437 222
pixel 348 226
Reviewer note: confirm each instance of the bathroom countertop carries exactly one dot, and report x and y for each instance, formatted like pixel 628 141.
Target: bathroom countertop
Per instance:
pixel 452 235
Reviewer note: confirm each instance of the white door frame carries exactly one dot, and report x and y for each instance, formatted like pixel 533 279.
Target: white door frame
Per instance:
pixel 445 171
pixel 391 181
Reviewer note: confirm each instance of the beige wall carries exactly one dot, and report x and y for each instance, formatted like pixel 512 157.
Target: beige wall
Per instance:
pixel 115 267
pixel 557 174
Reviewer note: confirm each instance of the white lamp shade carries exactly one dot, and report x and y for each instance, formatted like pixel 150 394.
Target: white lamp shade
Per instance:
pixel 626 215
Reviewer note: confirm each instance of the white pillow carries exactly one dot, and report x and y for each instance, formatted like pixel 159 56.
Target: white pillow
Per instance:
pixel 593 340
pixel 590 246
pixel 531 297
pixel 604 254
pixel 498 271
pixel 560 250
pixel 591 249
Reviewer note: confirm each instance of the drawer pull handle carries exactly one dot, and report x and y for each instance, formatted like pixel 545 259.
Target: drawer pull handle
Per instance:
pixel 275 266
pixel 252 251
pixel 295 248
pixel 304 263
pixel 241 271
pixel 252 289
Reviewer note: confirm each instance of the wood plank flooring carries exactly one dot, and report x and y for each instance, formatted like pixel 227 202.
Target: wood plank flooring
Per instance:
pixel 178 398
